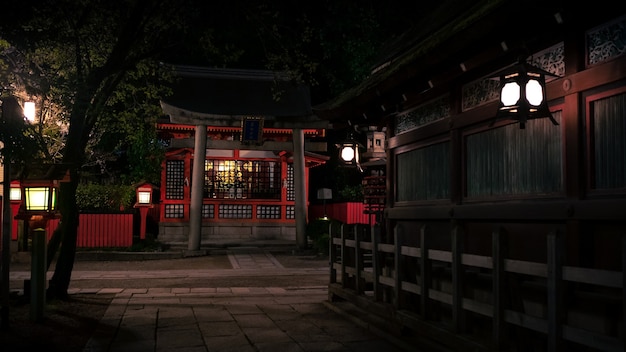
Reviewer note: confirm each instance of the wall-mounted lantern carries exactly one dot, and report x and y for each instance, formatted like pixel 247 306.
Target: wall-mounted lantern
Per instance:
pixel 350 152
pixel 523 94
pixel 144 203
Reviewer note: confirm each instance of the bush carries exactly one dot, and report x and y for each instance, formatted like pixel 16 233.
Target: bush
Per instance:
pixel 318 231
pixel 104 198
pixel 352 193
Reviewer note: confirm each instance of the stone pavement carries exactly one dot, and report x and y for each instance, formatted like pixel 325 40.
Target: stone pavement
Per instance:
pixel 269 318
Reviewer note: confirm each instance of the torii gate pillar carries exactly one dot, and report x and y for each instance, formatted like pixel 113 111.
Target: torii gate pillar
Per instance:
pixel 299 188
pixel 197 182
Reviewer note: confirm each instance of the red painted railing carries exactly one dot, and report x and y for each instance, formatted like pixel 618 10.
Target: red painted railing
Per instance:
pixel 347 213
pixel 116 230
pixel 101 230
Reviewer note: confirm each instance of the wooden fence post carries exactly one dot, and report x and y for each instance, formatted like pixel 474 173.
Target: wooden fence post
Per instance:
pixel 397 286
pixel 555 290
pixel 458 242
pixel 358 260
pixel 425 270
pixel 375 233
pixel 499 246
pixel 332 254
pixel 623 283
pixel 343 257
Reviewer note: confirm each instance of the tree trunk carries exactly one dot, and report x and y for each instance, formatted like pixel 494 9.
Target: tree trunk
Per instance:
pixel 68 227
pixel 53 246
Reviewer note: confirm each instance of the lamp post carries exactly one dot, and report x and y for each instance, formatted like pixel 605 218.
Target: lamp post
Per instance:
pixel 15 196
pixel 144 203
pixel 39 206
pixel 12 118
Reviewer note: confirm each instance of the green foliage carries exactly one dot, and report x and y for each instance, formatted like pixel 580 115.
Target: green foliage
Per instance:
pixel 318 232
pixel 104 198
pixel 97 81
pixel 127 147
pixel 351 193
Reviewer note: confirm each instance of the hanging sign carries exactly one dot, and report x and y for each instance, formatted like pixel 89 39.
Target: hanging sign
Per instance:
pixel 252 130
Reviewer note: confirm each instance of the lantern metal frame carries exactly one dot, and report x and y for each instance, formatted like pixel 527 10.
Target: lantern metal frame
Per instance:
pixel 144 195
pixel 523 108
pixel 15 192
pixel 39 197
pixel 355 148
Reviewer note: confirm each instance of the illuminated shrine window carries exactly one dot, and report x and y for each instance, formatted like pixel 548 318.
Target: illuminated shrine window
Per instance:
pixel 242 179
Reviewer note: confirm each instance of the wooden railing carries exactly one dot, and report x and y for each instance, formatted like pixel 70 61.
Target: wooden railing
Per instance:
pixel 345 212
pixel 423 288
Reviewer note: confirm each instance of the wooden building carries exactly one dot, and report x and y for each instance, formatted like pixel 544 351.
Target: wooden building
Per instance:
pixel 257 139
pixel 495 236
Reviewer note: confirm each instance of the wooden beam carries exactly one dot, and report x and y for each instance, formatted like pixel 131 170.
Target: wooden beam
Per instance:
pixel 188 117
pixel 268 145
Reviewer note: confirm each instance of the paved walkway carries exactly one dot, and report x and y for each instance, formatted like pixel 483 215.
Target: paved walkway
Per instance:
pixel 223 318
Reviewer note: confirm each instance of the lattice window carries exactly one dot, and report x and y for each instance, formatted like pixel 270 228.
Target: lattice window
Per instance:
pixel 290 212
pixel 607 41
pixel 291 192
pixel 239 179
pixel 174 179
pixel 235 211
pixel 174 211
pixel 208 211
pixel 427 113
pixel 268 211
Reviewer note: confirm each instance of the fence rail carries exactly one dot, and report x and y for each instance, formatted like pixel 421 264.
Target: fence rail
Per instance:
pixel 425 287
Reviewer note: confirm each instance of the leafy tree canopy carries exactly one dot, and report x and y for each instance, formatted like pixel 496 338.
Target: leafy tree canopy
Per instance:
pixel 97 69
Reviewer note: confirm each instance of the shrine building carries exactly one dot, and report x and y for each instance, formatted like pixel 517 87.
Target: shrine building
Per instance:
pixel 257 138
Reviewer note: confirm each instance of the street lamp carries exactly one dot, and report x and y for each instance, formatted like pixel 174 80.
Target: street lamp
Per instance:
pixel 523 94
pixel 144 203
pixel 29 111
pixel 40 198
pixel 39 206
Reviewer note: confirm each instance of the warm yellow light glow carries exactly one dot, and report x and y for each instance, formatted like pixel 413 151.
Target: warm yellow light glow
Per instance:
pixel 15 194
pixel 534 92
pixel 29 111
pixel 37 198
pixel 347 153
pixel 143 197
pixel 510 94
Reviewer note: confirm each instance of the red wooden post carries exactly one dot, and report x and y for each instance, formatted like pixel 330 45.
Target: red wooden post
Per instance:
pixel 144 202
pixel 143 211
pixel 15 196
